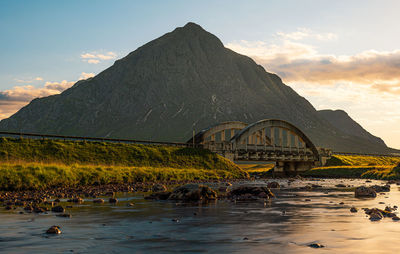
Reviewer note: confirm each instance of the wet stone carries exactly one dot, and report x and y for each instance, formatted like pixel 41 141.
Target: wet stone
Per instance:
pixel 53 230
pixel 353 210
pixel 316 245
pixel 58 209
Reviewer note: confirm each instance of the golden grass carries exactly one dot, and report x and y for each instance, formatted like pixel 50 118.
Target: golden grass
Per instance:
pixel 360 160
pixel 32 164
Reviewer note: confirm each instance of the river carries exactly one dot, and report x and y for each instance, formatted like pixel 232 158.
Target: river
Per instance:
pixel 286 224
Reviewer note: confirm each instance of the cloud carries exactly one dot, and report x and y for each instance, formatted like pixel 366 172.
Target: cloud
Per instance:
pixel 85 75
pixel 93 61
pixel 298 62
pixel 305 33
pixel 95 58
pixel 365 84
pixel 31 80
pixel 12 100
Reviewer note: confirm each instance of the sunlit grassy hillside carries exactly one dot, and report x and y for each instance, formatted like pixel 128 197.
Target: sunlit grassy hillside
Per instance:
pixel 359 160
pixel 356 166
pixel 27 163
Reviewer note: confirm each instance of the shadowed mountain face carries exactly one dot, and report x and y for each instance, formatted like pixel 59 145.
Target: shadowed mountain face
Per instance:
pixel 181 81
pixel 343 122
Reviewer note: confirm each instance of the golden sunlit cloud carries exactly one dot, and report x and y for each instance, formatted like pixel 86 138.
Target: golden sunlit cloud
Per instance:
pixel 297 62
pixel 12 100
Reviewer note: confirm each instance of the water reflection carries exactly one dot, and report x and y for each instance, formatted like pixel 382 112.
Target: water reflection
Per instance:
pixel 286 224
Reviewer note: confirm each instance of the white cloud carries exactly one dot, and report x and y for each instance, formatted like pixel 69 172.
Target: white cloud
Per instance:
pixel 305 33
pixel 31 80
pixel 95 58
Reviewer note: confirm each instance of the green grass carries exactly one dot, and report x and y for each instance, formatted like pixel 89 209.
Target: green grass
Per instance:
pixel 359 160
pixel 36 176
pixel 351 166
pixel 33 164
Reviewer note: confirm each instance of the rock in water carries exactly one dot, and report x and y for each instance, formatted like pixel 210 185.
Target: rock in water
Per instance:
pixel 316 245
pixel 159 188
pixel 193 192
pixel 251 193
pixel 113 200
pixel 375 216
pixel 159 195
pixel 383 188
pixel 54 230
pixel 58 209
pixel 353 209
pixel 273 185
pixel 363 191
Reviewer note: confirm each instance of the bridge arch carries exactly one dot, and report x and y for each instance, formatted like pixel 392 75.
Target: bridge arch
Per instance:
pixel 258 129
pixel 208 134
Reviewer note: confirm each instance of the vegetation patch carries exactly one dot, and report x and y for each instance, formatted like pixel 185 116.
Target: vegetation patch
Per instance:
pixel 372 172
pixel 360 160
pixel 34 163
pixel 260 170
pixel 36 176
pixel 357 166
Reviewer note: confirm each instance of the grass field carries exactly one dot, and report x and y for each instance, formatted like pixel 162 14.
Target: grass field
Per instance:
pixel 30 164
pixel 351 166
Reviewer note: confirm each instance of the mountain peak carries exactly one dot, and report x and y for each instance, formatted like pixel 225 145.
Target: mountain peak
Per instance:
pixel 192 25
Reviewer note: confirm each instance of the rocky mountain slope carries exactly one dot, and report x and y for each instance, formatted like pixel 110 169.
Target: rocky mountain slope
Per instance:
pixel 184 80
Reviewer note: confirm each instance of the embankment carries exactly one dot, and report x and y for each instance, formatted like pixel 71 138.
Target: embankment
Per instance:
pixel 33 164
pixel 351 166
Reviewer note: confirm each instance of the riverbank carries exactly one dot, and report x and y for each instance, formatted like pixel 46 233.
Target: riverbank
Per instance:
pixel 28 164
pixel 367 167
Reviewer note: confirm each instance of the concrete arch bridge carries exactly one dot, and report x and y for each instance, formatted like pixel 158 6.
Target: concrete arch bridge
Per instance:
pixel 266 141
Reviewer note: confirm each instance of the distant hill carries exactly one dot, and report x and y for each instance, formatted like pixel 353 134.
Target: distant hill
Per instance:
pixel 342 121
pixel 184 80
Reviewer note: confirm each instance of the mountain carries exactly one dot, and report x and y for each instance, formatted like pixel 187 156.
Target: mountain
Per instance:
pixel 184 80
pixel 343 122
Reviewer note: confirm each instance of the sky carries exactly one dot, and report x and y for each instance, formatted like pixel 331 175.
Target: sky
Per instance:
pixel 337 54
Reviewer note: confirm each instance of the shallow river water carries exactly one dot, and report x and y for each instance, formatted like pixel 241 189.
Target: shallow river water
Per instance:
pixel 286 224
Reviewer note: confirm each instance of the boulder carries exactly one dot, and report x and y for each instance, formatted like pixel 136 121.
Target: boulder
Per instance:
pixel 363 191
pixel 64 215
pixel 113 200
pixel 375 216
pixel 383 188
pixel 251 193
pixel 159 188
pixel 193 192
pixel 53 230
pixel 76 200
pixel 58 209
pixel 316 245
pixel 159 195
pixel 98 201
pixel 273 185
pixel 353 209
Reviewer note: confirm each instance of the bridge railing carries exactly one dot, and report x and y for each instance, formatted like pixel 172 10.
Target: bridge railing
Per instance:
pixel 94 139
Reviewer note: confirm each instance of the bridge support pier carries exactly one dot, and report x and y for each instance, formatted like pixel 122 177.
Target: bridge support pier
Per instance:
pixel 288 168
